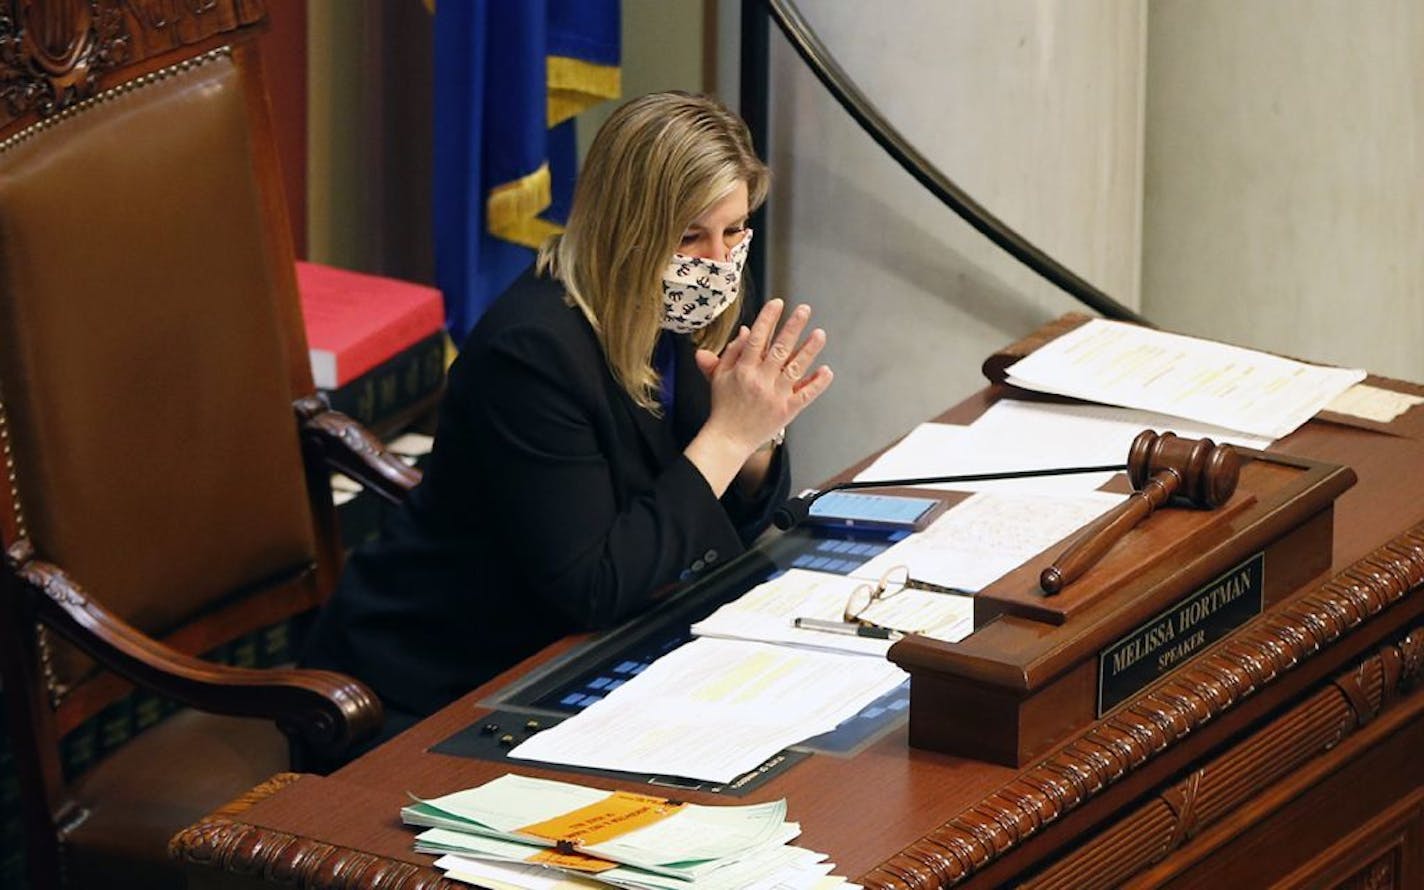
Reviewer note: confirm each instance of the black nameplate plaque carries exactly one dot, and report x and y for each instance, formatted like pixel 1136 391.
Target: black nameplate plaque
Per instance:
pixel 1176 634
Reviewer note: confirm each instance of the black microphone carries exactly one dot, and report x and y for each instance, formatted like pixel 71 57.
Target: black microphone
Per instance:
pixel 795 510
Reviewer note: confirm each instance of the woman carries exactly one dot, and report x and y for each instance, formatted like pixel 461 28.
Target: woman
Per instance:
pixel 611 427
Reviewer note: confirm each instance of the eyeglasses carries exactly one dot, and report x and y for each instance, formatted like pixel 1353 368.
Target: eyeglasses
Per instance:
pixel 894 582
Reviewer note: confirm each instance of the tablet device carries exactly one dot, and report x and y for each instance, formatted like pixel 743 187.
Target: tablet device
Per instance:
pixel 888 512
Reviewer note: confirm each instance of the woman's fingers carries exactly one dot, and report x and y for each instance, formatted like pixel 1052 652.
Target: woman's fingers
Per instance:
pixel 732 350
pixel 762 328
pixel 801 360
pixel 763 378
pixel 707 361
pixel 784 345
pixel 810 388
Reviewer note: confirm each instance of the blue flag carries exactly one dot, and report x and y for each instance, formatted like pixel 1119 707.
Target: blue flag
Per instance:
pixel 509 77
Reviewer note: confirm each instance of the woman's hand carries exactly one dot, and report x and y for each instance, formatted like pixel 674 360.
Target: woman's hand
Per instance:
pixel 759 384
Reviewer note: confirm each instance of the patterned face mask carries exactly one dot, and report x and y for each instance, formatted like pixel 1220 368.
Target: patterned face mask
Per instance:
pixel 696 291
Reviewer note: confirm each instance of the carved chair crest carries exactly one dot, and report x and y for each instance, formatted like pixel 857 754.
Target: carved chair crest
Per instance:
pixel 54 53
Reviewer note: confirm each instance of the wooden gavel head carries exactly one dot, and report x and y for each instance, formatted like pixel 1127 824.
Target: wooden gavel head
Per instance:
pixel 1208 472
pixel 1161 467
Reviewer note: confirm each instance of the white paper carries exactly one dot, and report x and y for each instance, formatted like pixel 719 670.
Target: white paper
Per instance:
pixel 767 613
pixel 941 449
pixel 793 867
pixel 1241 389
pixel 500 875
pixel 730 872
pixel 715 709
pixel 772 868
pixel 1373 403
pixel 988 535
pixel 1017 435
pixel 1091 434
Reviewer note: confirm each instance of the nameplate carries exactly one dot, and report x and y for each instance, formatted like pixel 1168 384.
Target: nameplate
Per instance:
pixel 1171 637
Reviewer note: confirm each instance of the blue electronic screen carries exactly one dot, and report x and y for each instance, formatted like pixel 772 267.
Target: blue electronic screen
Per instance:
pixel 852 509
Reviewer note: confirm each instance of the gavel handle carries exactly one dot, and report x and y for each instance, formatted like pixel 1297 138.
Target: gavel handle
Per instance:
pixel 1095 540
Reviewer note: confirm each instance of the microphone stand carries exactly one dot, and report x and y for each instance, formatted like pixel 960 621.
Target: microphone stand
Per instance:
pixel 795 510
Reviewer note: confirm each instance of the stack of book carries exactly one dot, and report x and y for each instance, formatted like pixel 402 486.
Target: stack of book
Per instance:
pixel 377 344
pixel 522 832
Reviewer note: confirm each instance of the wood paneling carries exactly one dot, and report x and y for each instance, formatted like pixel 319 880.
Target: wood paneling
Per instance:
pixel 1255 780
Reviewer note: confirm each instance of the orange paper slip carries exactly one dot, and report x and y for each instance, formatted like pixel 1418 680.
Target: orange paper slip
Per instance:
pixel 615 815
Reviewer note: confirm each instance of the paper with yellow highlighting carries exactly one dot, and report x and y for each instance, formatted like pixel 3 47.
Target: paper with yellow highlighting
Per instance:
pixel 603 820
pixel 715 709
pixel 1241 389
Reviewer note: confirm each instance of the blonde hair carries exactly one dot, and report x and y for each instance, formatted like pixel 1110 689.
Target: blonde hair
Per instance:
pixel 659 163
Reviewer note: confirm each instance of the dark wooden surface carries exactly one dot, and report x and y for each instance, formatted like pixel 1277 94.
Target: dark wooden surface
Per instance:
pixel 1321 689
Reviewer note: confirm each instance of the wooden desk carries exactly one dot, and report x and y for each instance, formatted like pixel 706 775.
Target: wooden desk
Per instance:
pixel 1291 754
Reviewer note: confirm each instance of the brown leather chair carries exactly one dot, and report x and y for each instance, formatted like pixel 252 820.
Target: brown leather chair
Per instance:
pixel 165 457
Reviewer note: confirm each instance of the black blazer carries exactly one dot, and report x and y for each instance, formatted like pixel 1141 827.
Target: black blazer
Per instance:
pixel 552 503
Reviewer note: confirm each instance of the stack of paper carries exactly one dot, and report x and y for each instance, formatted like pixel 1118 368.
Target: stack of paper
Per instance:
pixel 1123 364
pixel 535 833
pixel 715 709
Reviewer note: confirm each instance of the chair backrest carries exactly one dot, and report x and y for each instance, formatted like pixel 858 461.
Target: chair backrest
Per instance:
pixel 151 345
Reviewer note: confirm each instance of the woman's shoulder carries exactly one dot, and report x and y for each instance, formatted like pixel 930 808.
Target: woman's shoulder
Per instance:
pixel 533 302
pixel 531 323
pixel 531 298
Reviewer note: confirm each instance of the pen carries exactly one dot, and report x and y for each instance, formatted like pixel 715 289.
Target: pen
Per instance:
pixel 847 628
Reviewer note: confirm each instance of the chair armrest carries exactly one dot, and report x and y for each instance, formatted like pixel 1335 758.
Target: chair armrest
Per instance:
pixel 323 713
pixel 350 448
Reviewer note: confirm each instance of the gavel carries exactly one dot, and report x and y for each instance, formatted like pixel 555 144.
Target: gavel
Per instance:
pixel 1160 467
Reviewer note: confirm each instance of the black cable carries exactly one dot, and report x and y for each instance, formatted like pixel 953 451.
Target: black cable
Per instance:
pixel 844 90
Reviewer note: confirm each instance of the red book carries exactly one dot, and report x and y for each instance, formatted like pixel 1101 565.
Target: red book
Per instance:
pixel 356 321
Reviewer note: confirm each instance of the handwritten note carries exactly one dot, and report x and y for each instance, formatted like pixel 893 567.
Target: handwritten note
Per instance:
pixel 988 535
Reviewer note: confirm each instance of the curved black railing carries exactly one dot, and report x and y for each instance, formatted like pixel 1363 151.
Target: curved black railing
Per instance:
pixel 844 90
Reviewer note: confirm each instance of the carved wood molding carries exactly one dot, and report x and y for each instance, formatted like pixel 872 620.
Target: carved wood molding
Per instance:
pixel 325 712
pixel 1257 655
pixel 1221 786
pixel 53 53
pixel 220 842
pixel 1382 874
pixel 352 449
